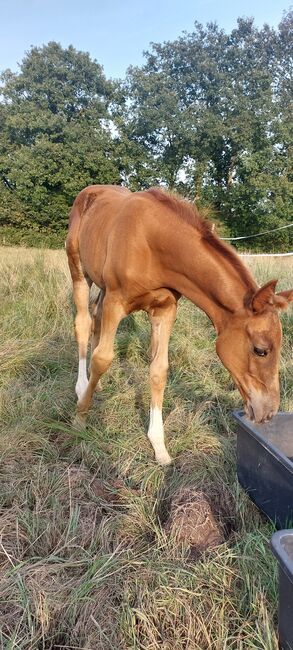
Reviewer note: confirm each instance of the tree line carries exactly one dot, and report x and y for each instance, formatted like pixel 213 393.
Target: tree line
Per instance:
pixel 208 115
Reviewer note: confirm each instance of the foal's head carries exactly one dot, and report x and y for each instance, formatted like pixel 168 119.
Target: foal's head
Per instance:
pixel 249 347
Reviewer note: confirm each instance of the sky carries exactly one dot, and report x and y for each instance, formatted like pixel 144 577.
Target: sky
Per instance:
pixel 116 32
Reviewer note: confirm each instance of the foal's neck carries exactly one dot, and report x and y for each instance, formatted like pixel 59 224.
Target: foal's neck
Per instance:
pixel 210 275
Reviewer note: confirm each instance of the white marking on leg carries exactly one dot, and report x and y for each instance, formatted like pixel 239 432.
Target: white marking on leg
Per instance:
pixel 156 436
pixel 82 380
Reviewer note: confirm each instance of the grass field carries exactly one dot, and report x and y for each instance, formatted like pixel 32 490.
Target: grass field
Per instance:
pixel 86 561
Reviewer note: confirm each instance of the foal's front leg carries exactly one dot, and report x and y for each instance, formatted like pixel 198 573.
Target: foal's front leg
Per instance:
pixel 97 320
pixel 162 320
pixel 96 327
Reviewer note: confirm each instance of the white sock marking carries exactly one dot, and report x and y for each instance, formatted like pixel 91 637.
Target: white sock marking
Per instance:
pixel 156 436
pixel 82 380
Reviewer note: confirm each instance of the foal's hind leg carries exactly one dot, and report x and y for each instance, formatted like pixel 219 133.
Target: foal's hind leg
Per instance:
pixel 83 321
pixel 162 320
pixel 103 354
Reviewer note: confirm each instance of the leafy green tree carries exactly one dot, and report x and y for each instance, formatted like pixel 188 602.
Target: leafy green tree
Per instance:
pixel 56 136
pixel 211 113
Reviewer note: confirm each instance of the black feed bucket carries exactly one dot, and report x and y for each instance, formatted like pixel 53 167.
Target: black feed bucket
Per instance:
pixel 265 465
pixel 282 547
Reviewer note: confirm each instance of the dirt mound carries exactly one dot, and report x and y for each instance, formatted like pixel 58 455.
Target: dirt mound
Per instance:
pixel 191 521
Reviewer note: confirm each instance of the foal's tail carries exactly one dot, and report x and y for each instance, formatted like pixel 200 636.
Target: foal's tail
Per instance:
pixel 82 202
pixel 72 240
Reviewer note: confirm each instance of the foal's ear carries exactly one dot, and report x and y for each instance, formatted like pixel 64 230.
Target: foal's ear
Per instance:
pixel 282 299
pixel 264 296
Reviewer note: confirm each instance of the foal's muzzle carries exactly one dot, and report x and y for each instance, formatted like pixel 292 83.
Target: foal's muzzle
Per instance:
pixel 261 408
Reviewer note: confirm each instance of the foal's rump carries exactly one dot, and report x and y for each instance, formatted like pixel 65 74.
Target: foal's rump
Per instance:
pixel 88 206
pixel 92 213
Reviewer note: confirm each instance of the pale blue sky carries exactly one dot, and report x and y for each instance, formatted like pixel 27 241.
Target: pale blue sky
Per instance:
pixel 115 32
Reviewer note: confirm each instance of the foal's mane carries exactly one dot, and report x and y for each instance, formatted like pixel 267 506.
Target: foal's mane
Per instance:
pixel 189 213
pixel 182 208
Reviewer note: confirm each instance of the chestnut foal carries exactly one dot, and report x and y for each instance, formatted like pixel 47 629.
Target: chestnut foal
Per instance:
pixel 146 249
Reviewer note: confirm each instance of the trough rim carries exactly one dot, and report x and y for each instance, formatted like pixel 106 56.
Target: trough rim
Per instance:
pixel 286 563
pixel 240 417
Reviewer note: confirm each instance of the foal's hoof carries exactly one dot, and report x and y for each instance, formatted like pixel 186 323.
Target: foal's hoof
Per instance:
pixel 79 421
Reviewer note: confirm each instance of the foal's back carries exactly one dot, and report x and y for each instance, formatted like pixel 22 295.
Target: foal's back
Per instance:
pixel 114 234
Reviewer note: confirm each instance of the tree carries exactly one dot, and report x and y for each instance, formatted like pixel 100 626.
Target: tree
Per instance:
pixel 208 114
pixel 211 111
pixel 56 136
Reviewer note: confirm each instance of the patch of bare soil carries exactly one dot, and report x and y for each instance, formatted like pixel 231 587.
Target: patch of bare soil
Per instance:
pixel 192 522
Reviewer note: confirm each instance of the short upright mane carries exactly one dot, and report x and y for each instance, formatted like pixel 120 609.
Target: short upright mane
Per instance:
pixel 182 208
pixel 189 213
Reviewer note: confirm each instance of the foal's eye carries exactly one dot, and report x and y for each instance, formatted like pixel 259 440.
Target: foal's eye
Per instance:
pixel 260 352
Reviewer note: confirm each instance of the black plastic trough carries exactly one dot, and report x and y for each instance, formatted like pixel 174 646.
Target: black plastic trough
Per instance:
pixel 282 547
pixel 265 465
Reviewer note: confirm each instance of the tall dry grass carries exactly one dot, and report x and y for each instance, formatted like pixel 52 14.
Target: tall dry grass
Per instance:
pixel 86 561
